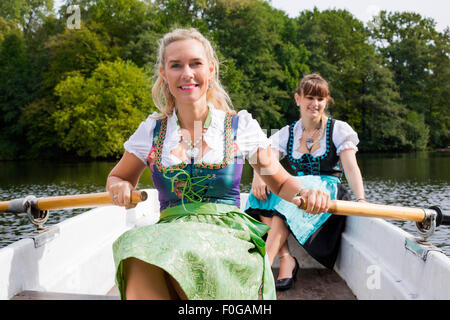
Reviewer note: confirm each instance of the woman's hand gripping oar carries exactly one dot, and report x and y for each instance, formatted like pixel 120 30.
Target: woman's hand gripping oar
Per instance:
pixel 426 219
pixel 37 208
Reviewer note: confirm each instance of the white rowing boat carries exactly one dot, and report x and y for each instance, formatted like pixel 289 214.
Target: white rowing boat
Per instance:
pixel 73 259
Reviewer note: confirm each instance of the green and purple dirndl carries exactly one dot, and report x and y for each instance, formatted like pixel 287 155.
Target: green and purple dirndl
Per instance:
pixel 203 240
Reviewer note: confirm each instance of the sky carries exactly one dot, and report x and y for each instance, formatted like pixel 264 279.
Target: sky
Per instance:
pixel 439 10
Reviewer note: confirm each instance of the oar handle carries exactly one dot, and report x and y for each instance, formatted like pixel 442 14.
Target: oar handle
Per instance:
pixel 84 200
pixel 365 209
pixel 67 202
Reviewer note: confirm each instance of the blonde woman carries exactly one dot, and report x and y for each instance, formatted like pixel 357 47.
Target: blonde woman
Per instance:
pixel 318 149
pixel 203 247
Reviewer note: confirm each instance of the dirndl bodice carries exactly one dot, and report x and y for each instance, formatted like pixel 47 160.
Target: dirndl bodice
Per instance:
pixel 307 164
pixel 197 182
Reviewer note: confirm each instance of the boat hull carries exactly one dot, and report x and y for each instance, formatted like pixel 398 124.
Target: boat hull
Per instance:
pixel 378 260
pixel 75 257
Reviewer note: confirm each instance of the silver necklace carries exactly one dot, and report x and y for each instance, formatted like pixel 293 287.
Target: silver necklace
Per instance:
pixel 193 147
pixel 310 142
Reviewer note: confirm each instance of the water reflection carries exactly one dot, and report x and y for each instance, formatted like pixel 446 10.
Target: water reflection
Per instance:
pixel 420 166
pixel 413 180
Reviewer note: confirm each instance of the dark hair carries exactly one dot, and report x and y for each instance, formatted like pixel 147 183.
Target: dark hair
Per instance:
pixel 314 85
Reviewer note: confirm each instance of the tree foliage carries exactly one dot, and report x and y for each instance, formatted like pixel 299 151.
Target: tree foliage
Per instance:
pixel 418 56
pixel 96 115
pixel 79 51
pixel 84 91
pixel 15 91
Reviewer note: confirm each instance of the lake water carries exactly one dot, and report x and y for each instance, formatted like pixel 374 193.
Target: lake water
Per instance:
pixel 413 180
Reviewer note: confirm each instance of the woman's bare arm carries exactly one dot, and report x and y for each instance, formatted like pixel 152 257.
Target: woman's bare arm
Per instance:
pixel 124 178
pixel 352 172
pixel 267 166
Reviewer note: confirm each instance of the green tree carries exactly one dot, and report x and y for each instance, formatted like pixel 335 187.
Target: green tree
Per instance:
pixel 59 88
pixel 15 91
pixel 7 26
pixel 340 53
pixel 186 13
pixel 27 14
pixel 119 19
pixel 41 140
pixel 96 115
pixel 252 35
pixel 381 111
pixel 419 56
pixel 74 51
pixel 438 92
pixel 364 90
pixel 143 47
pixel 404 40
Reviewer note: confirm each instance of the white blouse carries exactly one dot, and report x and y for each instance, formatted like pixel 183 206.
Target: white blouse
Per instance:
pixel 344 137
pixel 249 137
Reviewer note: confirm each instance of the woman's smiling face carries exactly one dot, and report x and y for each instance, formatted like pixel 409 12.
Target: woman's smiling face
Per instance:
pixel 187 71
pixel 311 106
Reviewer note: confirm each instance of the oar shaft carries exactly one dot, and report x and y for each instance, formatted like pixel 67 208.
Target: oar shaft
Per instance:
pixel 71 201
pixel 360 209
pixel 349 208
pixel 4 205
pixel 82 201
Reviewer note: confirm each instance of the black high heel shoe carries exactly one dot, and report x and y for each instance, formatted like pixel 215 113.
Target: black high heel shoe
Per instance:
pixel 287 283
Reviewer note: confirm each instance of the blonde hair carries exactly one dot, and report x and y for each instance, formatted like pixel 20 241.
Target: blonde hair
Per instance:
pixel 216 94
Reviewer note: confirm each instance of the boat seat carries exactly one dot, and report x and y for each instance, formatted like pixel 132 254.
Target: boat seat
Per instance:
pixel 42 295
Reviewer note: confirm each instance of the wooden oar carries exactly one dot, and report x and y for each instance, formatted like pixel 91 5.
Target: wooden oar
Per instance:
pixel 66 202
pixel 365 209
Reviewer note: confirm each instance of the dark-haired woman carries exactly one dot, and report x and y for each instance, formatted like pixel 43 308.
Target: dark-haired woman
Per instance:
pixel 318 149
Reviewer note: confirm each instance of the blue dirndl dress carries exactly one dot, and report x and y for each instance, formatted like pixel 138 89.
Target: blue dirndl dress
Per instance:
pixel 318 234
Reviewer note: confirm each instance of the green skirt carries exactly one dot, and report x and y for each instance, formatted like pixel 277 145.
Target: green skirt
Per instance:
pixel 214 251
